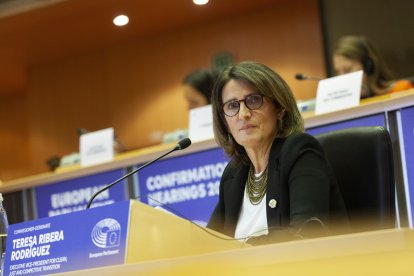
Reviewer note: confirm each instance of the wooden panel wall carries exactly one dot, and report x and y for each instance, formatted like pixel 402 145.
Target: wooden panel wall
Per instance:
pixel 14 136
pixel 135 87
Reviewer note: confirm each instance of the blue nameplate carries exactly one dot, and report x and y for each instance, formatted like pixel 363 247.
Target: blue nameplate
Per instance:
pixel 85 239
pixel 72 195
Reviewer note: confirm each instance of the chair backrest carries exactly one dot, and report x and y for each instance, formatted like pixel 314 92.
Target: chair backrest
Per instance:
pixel 362 161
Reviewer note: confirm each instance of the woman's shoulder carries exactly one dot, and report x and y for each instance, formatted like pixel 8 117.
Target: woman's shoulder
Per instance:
pixel 300 139
pixel 233 168
pixel 293 147
pixel 297 143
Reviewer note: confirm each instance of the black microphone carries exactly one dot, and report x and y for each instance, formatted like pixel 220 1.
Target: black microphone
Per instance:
pixel 300 76
pixel 182 144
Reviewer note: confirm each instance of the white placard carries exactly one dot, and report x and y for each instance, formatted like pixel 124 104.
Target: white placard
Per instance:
pixel 339 92
pixel 201 124
pixel 97 147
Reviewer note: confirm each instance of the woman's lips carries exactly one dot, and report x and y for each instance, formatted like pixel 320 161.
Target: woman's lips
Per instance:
pixel 246 127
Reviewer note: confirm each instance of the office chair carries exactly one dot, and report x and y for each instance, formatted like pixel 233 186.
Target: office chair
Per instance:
pixel 362 161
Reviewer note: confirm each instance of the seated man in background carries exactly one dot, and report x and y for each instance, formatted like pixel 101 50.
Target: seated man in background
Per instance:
pixel 354 53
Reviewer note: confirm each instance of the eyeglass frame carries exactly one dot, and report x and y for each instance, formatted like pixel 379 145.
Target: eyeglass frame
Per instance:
pixel 244 100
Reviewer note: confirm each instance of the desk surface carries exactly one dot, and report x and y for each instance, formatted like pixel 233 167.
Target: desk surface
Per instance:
pixel 385 252
pixel 370 106
pixel 367 107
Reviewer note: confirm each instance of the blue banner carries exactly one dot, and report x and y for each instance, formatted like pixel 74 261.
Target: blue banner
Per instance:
pixel 187 186
pixel 73 194
pixel 407 122
pixel 91 238
pixel 374 120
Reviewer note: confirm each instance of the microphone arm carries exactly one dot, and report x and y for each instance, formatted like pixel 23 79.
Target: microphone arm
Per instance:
pixel 182 144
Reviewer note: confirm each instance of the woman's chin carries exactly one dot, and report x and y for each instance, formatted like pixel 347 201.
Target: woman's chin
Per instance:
pixel 248 141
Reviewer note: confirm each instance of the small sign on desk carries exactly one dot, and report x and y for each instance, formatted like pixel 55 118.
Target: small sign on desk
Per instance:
pixel 201 124
pixel 97 147
pixel 91 238
pixel 338 93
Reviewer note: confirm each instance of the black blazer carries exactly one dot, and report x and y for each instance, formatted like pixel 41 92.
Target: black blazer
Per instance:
pixel 300 182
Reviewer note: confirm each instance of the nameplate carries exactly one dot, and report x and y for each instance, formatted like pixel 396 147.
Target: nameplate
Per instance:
pixel 338 93
pixel 73 194
pixel 201 124
pixel 86 239
pixel 97 147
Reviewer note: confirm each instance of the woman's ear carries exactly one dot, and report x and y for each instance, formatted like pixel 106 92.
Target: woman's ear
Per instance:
pixel 281 113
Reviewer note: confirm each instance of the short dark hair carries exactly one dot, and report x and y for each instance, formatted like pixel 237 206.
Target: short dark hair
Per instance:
pixel 268 83
pixel 201 80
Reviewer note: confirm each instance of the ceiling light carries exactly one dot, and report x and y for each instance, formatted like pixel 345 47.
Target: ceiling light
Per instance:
pixel 121 20
pixel 200 2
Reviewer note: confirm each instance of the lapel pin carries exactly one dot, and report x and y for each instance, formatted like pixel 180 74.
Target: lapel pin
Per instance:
pixel 272 203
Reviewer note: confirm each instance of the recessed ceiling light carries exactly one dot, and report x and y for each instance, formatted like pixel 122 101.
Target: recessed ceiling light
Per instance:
pixel 200 2
pixel 121 20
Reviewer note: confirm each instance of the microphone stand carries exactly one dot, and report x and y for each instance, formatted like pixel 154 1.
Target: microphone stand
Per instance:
pixel 177 147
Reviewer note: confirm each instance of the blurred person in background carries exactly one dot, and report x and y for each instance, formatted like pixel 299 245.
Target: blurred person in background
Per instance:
pixel 197 87
pixel 354 53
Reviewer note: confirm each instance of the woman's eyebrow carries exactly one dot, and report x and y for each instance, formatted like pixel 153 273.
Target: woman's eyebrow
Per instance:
pixel 244 97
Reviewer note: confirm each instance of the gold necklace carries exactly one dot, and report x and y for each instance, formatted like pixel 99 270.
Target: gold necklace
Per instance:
pixel 256 186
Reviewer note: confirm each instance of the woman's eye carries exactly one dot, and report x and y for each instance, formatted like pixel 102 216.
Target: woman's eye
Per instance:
pixel 233 105
pixel 252 100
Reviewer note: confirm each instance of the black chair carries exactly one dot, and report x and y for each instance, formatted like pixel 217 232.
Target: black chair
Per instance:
pixel 362 161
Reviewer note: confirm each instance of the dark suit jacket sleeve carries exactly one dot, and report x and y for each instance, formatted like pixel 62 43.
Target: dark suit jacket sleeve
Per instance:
pixel 216 221
pixel 308 178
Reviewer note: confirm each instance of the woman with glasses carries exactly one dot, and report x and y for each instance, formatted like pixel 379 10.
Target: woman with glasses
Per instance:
pixel 278 182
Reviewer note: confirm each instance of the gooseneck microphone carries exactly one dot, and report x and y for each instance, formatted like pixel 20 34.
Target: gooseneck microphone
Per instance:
pixel 182 144
pixel 300 76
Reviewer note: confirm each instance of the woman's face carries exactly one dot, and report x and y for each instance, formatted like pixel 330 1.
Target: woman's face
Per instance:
pixel 194 97
pixel 250 128
pixel 344 65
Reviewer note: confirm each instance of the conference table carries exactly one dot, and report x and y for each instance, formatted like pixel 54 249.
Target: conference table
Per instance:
pixel 383 252
pixel 393 111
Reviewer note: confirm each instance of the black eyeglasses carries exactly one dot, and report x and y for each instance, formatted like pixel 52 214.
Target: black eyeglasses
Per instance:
pixel 252 102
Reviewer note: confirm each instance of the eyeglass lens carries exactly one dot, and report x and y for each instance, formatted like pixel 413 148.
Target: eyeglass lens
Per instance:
pixel 252 102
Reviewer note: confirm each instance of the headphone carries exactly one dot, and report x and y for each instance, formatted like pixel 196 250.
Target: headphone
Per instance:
pixel 367 64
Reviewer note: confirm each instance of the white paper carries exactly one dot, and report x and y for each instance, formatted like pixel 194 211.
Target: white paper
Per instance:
pixel 201 124
pixel 339 92
pixel 97 147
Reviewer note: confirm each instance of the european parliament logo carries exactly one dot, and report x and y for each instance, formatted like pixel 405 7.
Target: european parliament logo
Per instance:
pixel 106 233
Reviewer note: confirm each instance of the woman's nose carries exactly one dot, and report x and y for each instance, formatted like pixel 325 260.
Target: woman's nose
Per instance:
pixel 244 112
